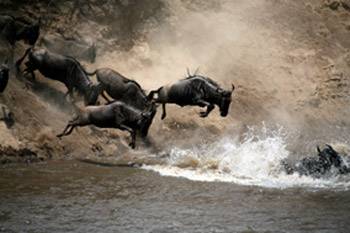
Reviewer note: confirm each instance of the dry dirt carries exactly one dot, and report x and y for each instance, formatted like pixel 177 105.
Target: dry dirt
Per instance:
pixel 288 59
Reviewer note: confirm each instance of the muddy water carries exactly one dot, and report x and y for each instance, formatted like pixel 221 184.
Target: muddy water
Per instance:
pixel 71 196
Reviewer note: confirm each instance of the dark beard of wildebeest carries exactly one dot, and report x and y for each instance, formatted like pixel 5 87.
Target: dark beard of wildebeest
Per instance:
pixel 195 90
pixel 114 115
pixel 121 88
pixel 4 77
pixel 14 30
pixel 61 68
pixel 327 159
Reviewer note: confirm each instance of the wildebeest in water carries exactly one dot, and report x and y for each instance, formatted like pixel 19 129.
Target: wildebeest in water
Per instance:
pixel 195 90
pixel 61 68
pixel 327 159
pixel 114 115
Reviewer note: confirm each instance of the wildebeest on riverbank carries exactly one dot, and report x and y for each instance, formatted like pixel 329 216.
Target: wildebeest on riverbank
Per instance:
pixel 61 68
pixel 13 30
pixel 121 88
pixel 114 115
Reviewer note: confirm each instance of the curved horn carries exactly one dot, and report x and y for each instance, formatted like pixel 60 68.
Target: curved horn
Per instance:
pixel 233 87
pixel 329 147
pixel 318 149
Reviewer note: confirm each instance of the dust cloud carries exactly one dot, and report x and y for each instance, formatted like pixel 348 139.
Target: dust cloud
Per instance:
pixel 275 52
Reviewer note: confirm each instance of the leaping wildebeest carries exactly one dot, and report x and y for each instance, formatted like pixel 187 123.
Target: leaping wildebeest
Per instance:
pixel 195 90
pixel 13 30
pixel 61 68
pixel 114 115
pixel 121 88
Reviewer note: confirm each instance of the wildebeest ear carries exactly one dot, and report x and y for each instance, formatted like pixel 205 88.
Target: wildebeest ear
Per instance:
pixel 318 149
pixel 233 87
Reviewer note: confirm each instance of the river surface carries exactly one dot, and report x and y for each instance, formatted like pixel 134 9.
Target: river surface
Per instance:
pixel 72 196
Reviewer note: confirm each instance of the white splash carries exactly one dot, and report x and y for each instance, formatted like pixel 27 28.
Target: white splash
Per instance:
pixel 255 161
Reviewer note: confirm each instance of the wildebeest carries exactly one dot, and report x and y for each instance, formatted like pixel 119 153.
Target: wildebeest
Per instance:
pixel 13 30
pixel 4 77
pixel 114 115
pixel 195 90
pixel 61 68
pixel 327 159
pixel 121 88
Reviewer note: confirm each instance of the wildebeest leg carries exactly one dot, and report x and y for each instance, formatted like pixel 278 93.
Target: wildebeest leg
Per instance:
pixel 132 134
pixel 19 61
pixel 31 72
pixel 209 109
pixel 68 130
pixel 204 103
pixel 105 97
pixel 133 139
pixel 164 111
pixel 7 117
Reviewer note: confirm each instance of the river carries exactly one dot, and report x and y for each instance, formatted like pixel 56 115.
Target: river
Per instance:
pixel 72 196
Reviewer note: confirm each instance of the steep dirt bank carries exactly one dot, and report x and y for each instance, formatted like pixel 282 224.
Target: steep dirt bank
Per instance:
pixel 289 60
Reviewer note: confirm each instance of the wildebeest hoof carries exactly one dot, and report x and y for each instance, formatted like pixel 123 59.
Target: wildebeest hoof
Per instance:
pixel 163 116
pixel 203 114
pixel 132 145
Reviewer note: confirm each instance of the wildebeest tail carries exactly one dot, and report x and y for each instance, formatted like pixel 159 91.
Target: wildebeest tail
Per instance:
pixel 151 94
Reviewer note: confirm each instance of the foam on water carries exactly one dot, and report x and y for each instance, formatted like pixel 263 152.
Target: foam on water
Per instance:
pixel 255 161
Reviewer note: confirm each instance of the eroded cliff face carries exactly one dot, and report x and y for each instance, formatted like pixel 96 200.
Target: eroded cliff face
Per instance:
pixel 288 59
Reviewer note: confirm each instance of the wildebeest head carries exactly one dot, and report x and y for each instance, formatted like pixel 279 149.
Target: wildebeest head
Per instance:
pixel 330 156
pixel 147 118
pixel 225 100
pixel 91 95
pixel 29 33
